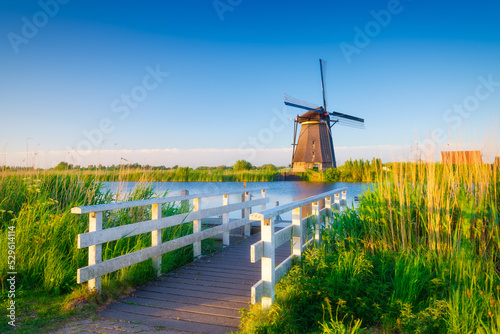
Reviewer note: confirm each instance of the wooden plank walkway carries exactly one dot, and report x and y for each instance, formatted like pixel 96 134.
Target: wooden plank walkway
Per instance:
pixel 202 297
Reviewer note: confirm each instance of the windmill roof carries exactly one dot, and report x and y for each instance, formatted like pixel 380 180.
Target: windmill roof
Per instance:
pixel 311 115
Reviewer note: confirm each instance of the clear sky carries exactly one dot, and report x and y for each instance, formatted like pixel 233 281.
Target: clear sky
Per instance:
pixel 202 82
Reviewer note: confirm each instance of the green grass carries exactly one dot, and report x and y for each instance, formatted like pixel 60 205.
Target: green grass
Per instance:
pixel 181 174
pixel 39 206
pixel 38 311
pixel 351 171
pixel 417 256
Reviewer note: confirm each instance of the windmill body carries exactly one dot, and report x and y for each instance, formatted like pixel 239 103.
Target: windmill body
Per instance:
pixel 313 148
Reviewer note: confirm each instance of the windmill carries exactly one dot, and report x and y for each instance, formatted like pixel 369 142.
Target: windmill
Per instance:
pixel 314 146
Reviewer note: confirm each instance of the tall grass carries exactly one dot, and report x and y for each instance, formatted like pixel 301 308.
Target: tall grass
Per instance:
pixel 444 207
pixel 39 206
pixel 181 174
pixel 417 256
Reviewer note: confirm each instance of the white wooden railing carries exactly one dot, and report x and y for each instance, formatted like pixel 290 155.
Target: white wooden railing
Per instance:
pixel 98 236
pixel 264 250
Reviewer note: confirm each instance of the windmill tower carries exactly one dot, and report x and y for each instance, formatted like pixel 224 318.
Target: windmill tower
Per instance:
pixel 313 149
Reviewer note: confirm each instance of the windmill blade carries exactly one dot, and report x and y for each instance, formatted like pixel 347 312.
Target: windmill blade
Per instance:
pixel 347 120
pixel 322 67
pixel 344 122
pixel 293 102
pixel 345 116
pixel 349 123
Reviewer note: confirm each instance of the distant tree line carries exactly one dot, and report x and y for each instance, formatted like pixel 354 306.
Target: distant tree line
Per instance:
pixel 352 171
pixel 240 165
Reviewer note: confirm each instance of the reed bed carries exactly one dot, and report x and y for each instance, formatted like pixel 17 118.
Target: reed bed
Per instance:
pixel 442 207
pixel 39 206
pixel 419 255
pixel 181 174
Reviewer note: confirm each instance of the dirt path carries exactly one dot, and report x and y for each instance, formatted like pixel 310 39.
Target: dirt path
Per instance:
pixel 106 326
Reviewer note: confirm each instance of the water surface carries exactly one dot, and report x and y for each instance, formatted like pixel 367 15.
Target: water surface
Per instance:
pixel 282 191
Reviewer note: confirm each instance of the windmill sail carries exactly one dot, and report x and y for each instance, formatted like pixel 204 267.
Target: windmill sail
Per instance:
pixel 293 102
pixel 347 120
pixel 322 66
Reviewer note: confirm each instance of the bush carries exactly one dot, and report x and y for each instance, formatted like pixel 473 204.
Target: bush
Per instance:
pixel 331 175
pixel 242 165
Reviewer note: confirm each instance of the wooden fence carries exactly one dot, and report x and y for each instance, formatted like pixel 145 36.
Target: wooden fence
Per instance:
pixel 98 236
pixel 264 250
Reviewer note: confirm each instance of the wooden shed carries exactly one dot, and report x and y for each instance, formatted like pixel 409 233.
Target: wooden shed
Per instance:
pixel 461 157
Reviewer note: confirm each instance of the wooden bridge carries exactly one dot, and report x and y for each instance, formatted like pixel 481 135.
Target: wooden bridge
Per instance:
pixel 206 296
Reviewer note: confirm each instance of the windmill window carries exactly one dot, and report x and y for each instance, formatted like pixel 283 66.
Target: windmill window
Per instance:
pixel 314 155
pixel 314 143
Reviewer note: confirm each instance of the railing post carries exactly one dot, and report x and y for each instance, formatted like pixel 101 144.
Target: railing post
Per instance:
pixel 306 220
pixel 328 211
pixel 315 211
pixel 337 202
pixel 344 198
pixel 246 214
pixel 316 214
pixel 298 236
pixel 156 237
pixel 268 262
pixel 185 203
pixel 278 217
pixel 95 252
pixel 225 220
pixel 196 229
pixel 263 193
pixel 243 199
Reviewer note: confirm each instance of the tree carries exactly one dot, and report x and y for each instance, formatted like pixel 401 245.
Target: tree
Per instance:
pixel 242 165
pixel 269 168
pixel 62 166
pixel 331 175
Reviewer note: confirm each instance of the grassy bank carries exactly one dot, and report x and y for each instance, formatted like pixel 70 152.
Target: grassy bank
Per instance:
pixel 38 208
pixel 242 171
pixel 418 256
pixel 181 174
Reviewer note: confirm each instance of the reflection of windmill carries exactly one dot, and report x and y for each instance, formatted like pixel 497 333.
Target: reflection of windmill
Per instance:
pixel 314 148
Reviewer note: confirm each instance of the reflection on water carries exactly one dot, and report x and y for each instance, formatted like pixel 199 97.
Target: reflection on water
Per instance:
pixel 282 191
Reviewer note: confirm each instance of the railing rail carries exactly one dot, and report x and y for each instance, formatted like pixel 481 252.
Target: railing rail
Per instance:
pixel 264 250
pixel 98 236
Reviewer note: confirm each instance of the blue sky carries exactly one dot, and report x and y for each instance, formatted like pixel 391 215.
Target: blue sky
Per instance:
pixel 88 75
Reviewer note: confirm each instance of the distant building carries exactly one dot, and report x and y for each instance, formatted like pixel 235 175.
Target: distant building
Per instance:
pixel 461 157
